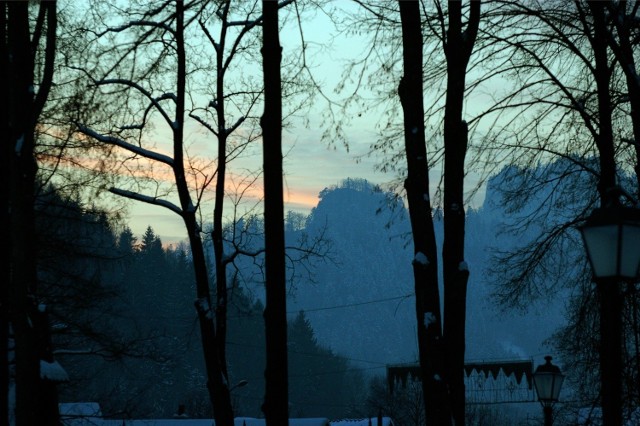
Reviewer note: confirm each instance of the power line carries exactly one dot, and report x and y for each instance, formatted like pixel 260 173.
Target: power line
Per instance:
pixel 381 364
pixel 258 314
pixel 350 305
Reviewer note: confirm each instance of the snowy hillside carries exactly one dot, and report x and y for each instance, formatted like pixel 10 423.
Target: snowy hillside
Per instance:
pixel 362 306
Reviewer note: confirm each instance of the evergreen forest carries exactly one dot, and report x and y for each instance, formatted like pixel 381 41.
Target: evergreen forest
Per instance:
pixel 124 327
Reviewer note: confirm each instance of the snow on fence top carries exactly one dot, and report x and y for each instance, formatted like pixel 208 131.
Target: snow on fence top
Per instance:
pixel 312 421
pixel 370 421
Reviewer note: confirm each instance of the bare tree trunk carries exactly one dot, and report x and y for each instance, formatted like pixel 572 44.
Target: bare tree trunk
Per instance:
pixel 217 232
pixel 275 405
pixel 24 108
pixel 604 141
pixel 425 266
pixel 458 47
pixel 625 54
pixel 216 379
pixel 4 230
pixel 47 410
pixel 211 316
pixel 21 201
pixel 219 395
pixel 610 297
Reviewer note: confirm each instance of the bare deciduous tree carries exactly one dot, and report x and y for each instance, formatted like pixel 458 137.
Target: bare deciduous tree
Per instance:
pixel 27 51
pixel 275 407
pixel 425 266
pixel 170 25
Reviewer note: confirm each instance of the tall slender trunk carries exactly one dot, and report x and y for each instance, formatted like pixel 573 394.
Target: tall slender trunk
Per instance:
pixel 625 53
pixel 22 169
pixel 458 48
pixel 5 155
pixel 275 405
pixel 22 172
pixel 217 233
pixel 604 140
pixel 425 266
pixel 216 380
pixel 610 297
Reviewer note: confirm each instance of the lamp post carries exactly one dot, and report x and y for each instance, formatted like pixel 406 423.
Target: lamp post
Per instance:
pixel 611 237
pixel 547 380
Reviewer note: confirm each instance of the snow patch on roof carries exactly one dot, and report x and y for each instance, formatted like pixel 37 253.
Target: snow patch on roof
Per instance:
pixel 311 421
pixel 53 371
pixel 370 421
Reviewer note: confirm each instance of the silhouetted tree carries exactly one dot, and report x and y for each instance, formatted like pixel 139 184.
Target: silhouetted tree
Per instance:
pixel 404 404
pixel 431 349
pixel 275 406
pixel 321 383
pixel 580 113
pixel 458 43
pixel 441 343
pixel 622 39
pixel 169 20
pixel 27 51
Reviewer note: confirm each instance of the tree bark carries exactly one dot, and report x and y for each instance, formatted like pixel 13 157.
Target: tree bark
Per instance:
pixel 217 232
pixel 21 201
pixel 625 54
pixel 609 292
pixel 604 139
pixel 425 266
pixel 275 405
pixel 24 106
pixel 5 218
pixel 457 47
pixel 216 380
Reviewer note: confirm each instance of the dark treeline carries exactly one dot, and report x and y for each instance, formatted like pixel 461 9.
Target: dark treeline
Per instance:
pixel 125 327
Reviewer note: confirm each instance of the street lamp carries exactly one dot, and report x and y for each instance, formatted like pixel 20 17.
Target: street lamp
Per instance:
pixel 547 380
pixel 611 237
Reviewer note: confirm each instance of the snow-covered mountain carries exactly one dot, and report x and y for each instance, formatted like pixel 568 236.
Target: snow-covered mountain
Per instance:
pixel 362 306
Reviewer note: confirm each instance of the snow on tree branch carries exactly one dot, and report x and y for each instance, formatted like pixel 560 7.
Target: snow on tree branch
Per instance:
pixel 235 125
pixel 132 24
pixel 147 199
pixel 204 123
pixel 111 140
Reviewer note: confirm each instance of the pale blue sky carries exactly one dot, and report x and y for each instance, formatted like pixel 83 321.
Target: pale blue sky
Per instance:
pixel 310 163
